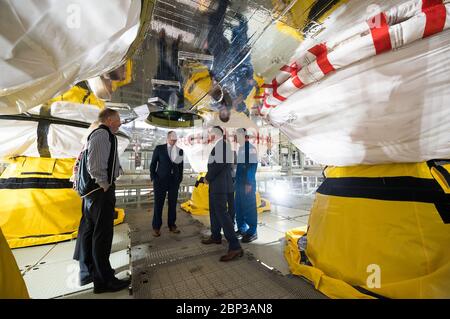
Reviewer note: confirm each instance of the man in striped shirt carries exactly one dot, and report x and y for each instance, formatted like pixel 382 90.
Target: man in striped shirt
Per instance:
pixel 96 227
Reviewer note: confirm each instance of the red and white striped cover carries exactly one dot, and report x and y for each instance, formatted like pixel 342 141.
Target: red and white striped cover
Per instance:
pixel 389 30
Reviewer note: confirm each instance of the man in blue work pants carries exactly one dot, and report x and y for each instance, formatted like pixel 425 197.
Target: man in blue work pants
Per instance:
pixel 245 200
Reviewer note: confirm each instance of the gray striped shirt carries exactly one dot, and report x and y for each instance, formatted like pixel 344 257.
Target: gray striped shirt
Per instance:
pixel 98 153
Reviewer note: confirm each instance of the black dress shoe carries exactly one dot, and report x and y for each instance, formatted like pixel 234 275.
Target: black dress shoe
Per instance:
pixel 85 281
pixel 156 233
pixel 174 230
pixel 112 286
pixel 249 238
pixel 232 254
pixel 210 241
pixel 88 279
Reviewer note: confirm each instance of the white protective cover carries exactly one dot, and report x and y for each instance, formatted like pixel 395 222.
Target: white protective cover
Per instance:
pixel 67 141
pixel 197 148
pixel 18 138
pixel 64 141
pixel 48 46
pixel 391 107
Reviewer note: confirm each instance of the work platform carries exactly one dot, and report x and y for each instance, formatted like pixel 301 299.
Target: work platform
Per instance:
pixel 179 266
pixel 176 265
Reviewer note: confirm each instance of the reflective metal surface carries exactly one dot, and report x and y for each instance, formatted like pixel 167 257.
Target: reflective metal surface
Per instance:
pixel 194 45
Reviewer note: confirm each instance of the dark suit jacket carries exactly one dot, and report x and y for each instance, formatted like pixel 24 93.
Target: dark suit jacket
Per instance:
pixel 162 169
pixel 219 169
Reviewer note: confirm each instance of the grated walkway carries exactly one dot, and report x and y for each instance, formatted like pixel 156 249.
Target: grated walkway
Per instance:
pixel 179 266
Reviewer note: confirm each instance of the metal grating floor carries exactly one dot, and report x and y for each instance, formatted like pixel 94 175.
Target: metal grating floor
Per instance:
pixel 203 276
pixel 179 266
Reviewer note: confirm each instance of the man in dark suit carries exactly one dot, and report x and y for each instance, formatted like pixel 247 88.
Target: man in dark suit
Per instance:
pixel 221 195
pixel 166 173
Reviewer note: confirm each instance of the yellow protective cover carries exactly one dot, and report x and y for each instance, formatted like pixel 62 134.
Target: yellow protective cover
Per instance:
pixel 199 202
pixel 252 99
pixel 352 239
pixel 297 16
pixel 40 215
pixel 12 285
pixel 441 174
pixel 128 76
pixel 78 95
pixel 198 84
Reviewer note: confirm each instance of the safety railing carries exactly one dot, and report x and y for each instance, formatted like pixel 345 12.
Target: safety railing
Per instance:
pixel 277 188
pixel 136 192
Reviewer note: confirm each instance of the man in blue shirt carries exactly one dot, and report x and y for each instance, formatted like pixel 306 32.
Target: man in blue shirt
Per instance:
pixel 247 164
pixel 240 82
pixel 232 70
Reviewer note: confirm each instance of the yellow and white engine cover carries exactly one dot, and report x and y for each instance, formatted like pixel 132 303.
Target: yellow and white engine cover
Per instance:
pixel 39 205
pixel 199 202
pixel 382 228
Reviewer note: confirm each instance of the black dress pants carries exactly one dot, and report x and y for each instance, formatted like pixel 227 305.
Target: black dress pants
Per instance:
pixel 160 188
pixel 95 236
pixel 221 214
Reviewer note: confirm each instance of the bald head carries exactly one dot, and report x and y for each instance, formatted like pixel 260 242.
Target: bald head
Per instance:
pixel 110 118
pixel 171 138
pixel 215 133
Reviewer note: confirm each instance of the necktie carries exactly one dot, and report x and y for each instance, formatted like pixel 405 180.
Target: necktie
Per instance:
pixel 171 158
